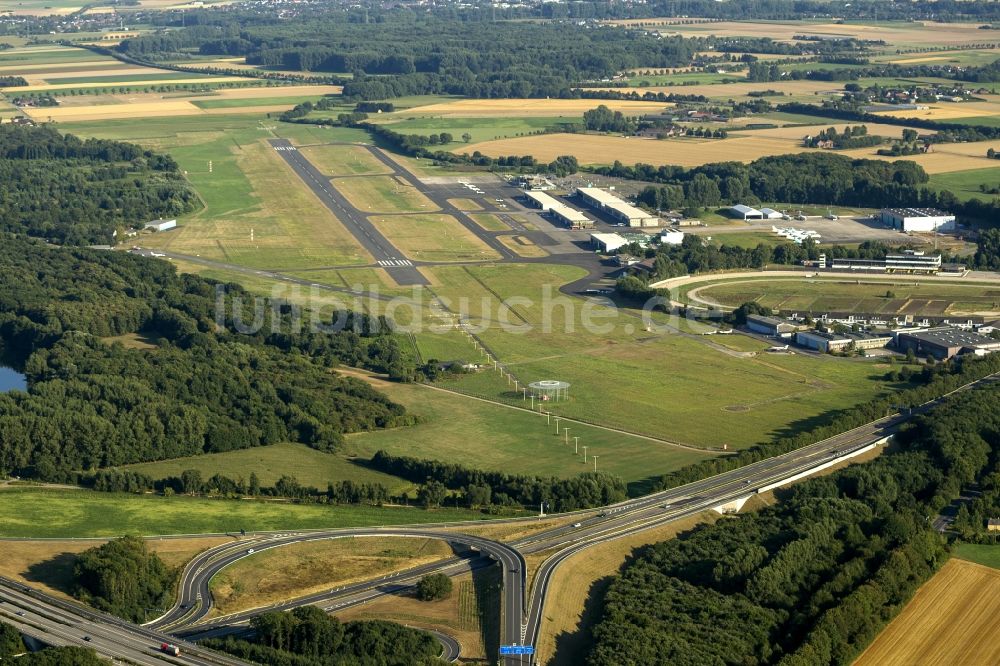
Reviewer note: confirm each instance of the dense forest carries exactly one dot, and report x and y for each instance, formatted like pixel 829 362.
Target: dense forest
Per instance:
pixel 307 636
pixel 409 55
pixel 124 578
pixel 201 387
pixel 811 580
pixel 74 192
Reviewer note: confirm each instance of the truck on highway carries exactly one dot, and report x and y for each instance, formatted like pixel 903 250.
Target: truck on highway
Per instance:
pixel 170 649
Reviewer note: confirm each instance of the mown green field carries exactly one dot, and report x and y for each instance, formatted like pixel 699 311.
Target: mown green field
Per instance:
pixel 481 129
pixel 151 75
pixel 965 184
pixel 986 554
pixel 48 513
pixel 479 434
pixel 309 466
pixel 682 388
pixel 236 103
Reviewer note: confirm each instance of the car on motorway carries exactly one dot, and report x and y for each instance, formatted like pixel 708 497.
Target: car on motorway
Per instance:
pixel 577 524
pixel 747 482
pixel 249 551
pixel 87 638
pixel 20 613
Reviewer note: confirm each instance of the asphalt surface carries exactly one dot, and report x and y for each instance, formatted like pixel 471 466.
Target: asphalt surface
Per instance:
pixel 56 622
pixel 395 262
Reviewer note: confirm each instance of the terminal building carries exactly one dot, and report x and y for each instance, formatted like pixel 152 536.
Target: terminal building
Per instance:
pixel 920 220
pixel 621 211
pixel 945 342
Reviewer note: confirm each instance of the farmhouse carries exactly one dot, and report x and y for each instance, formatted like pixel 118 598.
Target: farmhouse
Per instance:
pixel 623 212
pixel 607 243
pixel 918 219
pixel 772 326
pixel 160 225
pixel 742 212
pixel 945 342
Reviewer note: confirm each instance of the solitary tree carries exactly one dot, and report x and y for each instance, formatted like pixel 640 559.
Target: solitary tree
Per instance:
pixel 434 587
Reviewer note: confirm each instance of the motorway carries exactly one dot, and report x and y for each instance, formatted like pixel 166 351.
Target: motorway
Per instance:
pixel 61 622
pixel 522 616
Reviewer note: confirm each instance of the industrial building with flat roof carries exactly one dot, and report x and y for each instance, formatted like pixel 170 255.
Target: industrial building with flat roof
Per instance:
pixel 571 217
pixel 622 211
pixel 918 219
pixel 607 243
pixel 772 326
pixel 542 200
pixel 745 212
pixel 945 342
pixel 833 342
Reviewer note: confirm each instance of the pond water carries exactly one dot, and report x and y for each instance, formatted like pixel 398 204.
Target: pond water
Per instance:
pixel 11 379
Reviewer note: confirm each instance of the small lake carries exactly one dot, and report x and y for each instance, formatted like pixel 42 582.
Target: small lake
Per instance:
pixel 11 380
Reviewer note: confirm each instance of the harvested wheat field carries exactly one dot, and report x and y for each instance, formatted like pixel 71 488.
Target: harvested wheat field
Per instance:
pixel 100 84
pixel 109 111
pixel 951 621
pixel 602 149
pixel 741 88
pixel 949 111
pixel 944 158
pixel 797 133
pixel 915 33
pixel 475 108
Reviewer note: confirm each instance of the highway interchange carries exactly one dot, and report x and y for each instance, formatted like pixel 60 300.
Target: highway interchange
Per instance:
pixel 61 622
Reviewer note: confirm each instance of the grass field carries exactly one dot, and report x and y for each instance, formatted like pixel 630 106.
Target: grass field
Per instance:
pixel 433 238
pixel 531 108
pixel 339 160
pixel 986 554
pixel 819 295
pixel 965 184
pixel 489 222
pixel 480 129
pixel 678 387
pixel 519 442
pixel 523 246
pixel 289 572
pixel 45 513
pixel 248 186
pixel 384 194
pixel 269 463
pixel 952 619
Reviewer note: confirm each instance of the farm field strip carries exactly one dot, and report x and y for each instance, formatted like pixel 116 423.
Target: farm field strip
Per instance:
pixel 952 619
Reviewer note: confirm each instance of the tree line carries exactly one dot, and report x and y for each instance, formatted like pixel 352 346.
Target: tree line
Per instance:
pixel 93 403
pixel 191 482
pixel 12 645
pixel 498 489
pixel 69 191
pixel 307 636
pixel 814 578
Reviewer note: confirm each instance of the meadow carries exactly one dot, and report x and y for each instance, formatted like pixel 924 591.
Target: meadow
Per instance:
pixel 484 435
pixel 965 184
pixel 309 466
pixel 433 238
pixel 384 194
pixel 479 129
pixel 951 620
pixel 340 160
pixel 48 513
pixel 659 382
